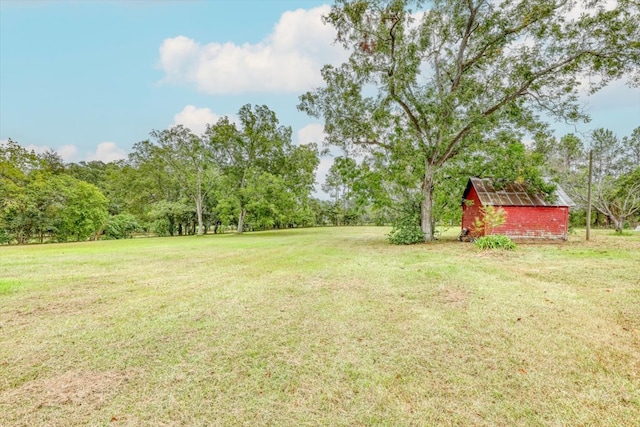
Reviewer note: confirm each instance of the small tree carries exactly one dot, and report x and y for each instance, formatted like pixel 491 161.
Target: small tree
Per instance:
pixel 491 219
pixel 406 226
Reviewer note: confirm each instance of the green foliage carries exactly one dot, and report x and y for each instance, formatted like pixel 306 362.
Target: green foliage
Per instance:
pixel 495 241
pixel 174 182
pixel 406 234
pixel 265 180
pixel 84 212
pixel 115 180
pixel 169 217
pixel 615 176
pixel 39 201
pixel 406 228
pixel 121 226
pixel 491 218
pixel 189 159
pixel 269 203
pixel 162 227
pixel 339 184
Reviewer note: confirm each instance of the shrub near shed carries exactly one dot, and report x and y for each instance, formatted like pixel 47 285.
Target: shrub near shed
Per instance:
pixel 495 241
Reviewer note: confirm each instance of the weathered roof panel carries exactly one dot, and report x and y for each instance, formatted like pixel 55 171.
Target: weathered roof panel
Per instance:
pixel 514 194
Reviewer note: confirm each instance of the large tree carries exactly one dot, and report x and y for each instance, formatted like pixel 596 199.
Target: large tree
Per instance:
pixel 146 182
pixel 426 85
pixel 255 157
pixel 187 158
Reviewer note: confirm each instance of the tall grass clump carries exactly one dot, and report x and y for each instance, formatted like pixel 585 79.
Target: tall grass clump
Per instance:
pixel 495 241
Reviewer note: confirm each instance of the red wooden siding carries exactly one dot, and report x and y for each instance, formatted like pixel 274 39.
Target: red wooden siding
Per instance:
pixel 471 211
pixel 536 222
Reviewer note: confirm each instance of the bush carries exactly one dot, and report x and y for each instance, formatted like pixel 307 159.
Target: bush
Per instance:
pixel 121 226
pixel 406 231
pixel 408 235
pixel 495 241
pixel 491 218
pixel 161 227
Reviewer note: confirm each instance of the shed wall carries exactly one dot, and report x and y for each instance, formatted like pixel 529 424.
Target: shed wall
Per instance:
pixel 536 222
pixel 471 210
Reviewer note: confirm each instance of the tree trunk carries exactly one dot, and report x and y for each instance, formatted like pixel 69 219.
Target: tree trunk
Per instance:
pixel 243 213
pixel 618 224
pixel 426 206
pixel 199 213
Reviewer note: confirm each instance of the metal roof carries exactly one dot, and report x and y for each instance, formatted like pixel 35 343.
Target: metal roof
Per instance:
pixel 514 194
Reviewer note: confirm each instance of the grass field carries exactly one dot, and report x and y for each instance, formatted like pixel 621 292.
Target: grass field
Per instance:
pixel 325 326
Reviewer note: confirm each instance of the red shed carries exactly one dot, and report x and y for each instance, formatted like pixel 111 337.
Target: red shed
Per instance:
pixel 529 216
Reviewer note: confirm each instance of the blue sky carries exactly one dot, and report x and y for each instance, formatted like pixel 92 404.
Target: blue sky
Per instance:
pixel 91 78
pixel 74 75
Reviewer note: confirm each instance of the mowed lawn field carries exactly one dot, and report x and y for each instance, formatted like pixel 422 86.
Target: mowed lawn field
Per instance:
pixel 323 326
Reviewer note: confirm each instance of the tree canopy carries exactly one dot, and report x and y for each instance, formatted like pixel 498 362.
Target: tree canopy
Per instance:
pixel 37 199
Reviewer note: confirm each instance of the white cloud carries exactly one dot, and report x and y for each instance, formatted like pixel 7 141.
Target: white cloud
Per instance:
pixel 107 152
pixel 196 119
pixel 289 59
pixel 69 153
pixel 311 133
pixel 178 58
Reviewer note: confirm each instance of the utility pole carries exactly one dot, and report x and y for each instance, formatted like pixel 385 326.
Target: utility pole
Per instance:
pixel 589 195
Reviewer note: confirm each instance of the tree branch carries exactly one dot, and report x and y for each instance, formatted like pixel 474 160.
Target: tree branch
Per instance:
pixel 520 91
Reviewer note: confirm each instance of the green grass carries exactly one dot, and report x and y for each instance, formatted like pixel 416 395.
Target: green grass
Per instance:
pixel 326 326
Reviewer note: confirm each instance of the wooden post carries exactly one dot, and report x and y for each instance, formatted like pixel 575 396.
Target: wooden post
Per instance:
pixel 589 195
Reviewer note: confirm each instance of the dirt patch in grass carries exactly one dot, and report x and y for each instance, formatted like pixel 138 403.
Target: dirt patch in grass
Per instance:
pixel 72 394
pixel 46 307
pixel 454 297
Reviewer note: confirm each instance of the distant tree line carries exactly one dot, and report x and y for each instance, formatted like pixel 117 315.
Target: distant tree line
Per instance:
pixel 615 175
pixel 245 176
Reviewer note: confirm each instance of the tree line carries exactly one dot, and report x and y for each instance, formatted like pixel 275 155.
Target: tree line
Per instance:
pixel 247 175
